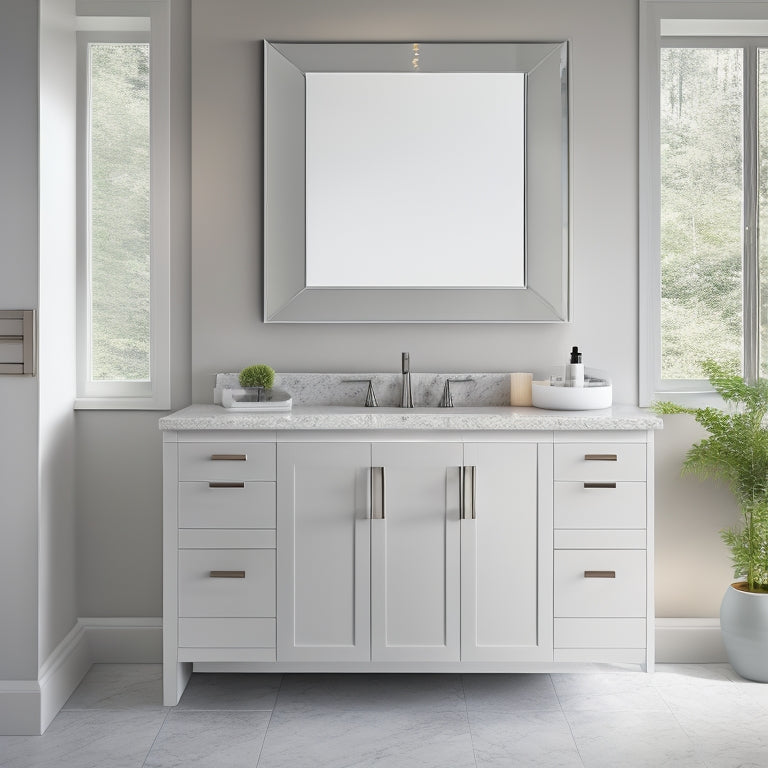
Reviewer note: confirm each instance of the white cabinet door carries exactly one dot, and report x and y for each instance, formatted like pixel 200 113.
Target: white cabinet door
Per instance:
pixel 323 562
pixel 415 553
pixel 506 554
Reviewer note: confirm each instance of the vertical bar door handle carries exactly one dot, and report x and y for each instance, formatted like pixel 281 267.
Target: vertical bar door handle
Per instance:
pixel 377 493
pixel 469 494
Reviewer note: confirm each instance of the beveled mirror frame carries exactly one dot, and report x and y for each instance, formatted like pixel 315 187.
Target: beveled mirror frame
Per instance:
pixel 546 294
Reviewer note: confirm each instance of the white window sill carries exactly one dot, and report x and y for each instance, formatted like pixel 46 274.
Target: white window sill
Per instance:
pixel 120 404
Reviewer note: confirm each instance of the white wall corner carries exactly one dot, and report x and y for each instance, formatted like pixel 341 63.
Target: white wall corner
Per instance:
pixel 27 707
pixel 689 641
pixel 61 673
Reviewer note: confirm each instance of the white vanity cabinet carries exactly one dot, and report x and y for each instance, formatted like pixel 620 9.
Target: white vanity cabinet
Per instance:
pixel 603 568
pixel 333 548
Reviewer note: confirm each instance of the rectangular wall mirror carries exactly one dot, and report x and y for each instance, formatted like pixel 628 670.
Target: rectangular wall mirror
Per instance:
pixel 416 182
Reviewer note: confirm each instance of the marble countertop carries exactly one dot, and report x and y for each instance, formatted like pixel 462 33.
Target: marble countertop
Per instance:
pixel 618 417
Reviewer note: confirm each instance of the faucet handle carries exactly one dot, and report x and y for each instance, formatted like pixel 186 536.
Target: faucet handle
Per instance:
pixel 370 395
pixel 446 401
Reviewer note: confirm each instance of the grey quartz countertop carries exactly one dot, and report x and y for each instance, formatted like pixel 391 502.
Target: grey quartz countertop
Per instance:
pixel 618 417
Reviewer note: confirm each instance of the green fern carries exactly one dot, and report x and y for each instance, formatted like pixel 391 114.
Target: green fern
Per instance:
pixel 259 375
pixel 736 452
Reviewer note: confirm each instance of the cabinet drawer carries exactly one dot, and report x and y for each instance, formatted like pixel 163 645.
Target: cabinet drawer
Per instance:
pixel 227 633
pixel 582 590
pixel 203 595
pixel 600 633
pixel 227 461
pixel 227 538
pixel 595 538
pixel 599 505
pixel 227 505
pixel 600 462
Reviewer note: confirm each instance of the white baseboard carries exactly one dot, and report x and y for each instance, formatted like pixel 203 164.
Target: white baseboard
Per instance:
pixel 61 673
pixel 20 708
pixel 27 707
pixel 124 641
pixel 689 641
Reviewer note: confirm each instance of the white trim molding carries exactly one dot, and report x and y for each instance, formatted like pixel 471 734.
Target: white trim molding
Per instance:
pixel 689 19
pixel 689 641
pixel 27 707
pixel 124 641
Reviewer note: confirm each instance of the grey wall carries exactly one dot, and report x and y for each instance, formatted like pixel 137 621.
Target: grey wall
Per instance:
pixel 227 332
pixel 118 455
pixel 18 290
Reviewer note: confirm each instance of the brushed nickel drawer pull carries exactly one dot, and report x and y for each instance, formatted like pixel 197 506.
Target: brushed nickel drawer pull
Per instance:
pixel 469 493
pixel 599 485
pixel 229 457
pixel 378 499
pixel 601 457
pixel 599 574
pixel 226 485
pixel 227 574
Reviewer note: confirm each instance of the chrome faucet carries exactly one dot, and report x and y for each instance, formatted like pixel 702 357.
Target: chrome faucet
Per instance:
pixel 406 401
pixel 446 401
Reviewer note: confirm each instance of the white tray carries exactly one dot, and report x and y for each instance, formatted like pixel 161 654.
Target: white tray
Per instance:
pixel 570 398
pixel 246 399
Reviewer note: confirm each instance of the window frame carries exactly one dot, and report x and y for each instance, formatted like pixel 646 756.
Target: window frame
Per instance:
pixel 692 392
pixel 142 23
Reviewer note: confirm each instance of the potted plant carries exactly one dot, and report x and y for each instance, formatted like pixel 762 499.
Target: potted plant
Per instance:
pixel 258 377
pixel 736 451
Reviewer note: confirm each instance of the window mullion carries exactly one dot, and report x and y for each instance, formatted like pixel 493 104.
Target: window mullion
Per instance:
pixel 751 277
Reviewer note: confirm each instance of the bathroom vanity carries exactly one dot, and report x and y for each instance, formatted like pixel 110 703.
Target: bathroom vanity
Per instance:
pixel 378 539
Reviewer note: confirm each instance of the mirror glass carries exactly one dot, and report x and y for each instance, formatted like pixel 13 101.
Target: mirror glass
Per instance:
pixel 416 182
pixel 446 180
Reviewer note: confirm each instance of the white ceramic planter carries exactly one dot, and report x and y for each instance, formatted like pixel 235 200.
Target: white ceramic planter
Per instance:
pixel 744 625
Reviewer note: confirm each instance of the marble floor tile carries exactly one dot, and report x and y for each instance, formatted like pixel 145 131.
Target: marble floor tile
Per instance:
pixel 698 674
pixel 198 739
pixel 608 692
pixel 352 739
pixel 735 738
pixel 510 693
pixel 119 686
pixel 98 738
pixel 372 692
pixel 632 740
pixel 213 690
pixel 523 740
pixel 722 700
pixel 753 692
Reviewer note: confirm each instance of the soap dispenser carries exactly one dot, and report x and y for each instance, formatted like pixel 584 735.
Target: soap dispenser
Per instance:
pixel 574 371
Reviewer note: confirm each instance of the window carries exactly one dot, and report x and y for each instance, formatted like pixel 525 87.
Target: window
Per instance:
pixel 123 325
pixel 704 275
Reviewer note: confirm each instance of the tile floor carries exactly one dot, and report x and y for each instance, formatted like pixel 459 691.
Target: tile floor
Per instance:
pixel 683 715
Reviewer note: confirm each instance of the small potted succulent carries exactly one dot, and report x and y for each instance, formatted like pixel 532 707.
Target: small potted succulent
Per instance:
pixel 736 451
pixel 258 377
